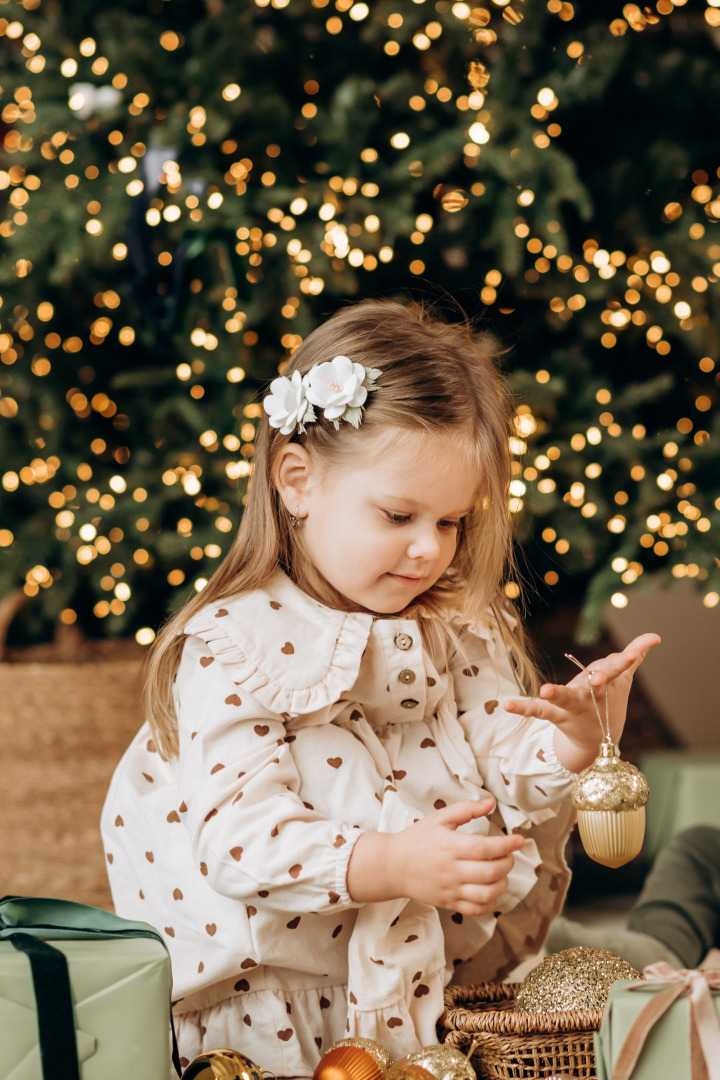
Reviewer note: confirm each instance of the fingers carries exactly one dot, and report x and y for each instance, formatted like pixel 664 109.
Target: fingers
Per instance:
pixel 485 871
pixel 539 707
pixel 459 813
pixel 473 846
pixel 477 898
pixel 554 699
pixel 629 659
pixel 639 647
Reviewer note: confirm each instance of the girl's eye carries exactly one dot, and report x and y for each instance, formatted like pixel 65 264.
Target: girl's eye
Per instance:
pixel 396 519
pixel 450 524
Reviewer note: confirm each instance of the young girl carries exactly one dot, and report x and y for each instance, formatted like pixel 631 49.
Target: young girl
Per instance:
pixel 339 803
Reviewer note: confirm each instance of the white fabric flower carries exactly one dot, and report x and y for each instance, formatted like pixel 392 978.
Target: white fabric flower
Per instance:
pixel 336 386
pixel 287 405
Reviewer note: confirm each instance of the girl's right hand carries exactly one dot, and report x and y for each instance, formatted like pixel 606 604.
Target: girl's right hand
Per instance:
pixel 433 863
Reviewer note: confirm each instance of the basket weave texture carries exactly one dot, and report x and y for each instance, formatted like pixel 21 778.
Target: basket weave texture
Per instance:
pixel 63 729
pixel 509 1045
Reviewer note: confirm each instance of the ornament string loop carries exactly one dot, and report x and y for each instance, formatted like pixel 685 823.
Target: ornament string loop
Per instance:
pixel 605 730
pixel 610 797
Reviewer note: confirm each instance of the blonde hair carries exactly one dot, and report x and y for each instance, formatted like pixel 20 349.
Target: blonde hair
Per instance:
pixel 437 377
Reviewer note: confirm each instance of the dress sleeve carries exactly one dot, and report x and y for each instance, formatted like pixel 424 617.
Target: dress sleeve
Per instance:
pixel 251 833
pixel 514 754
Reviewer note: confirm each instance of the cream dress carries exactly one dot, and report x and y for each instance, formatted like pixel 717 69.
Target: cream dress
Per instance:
pixel 302 727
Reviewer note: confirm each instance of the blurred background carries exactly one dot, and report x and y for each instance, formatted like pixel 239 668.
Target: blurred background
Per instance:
pixel 189 188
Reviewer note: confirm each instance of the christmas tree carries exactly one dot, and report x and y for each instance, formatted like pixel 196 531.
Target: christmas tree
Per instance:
pixel 190 188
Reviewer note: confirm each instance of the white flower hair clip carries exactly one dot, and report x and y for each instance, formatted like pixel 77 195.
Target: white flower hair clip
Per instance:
pixel 338 387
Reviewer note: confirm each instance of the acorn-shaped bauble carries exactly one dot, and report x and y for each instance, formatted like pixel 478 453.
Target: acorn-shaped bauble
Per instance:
pixel 441 1061
pixel 381 1055
pixel 346 1060
pixel 402 1070
pixel 222 1065
pixel 610 797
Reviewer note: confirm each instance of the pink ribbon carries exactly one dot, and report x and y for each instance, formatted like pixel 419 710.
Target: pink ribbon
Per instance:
pixel 704 1026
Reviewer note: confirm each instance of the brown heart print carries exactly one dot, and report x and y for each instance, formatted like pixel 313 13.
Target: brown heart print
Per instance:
pixel 288 648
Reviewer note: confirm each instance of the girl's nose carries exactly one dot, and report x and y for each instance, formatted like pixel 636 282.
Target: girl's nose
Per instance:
pixel 424 543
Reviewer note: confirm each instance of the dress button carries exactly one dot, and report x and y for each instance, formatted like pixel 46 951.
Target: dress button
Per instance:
pixel 409 703
pixel 403 641
pixel 406 676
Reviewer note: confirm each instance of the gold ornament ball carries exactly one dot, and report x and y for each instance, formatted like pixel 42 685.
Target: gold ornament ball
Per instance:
pixel 402 1071
pixel 442 1062
pixel 222 1065
pixel 348 1063
pixel 382 1057
pixel 610 797
pixel 577 978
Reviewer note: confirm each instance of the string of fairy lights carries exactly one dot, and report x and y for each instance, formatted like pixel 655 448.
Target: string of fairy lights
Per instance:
pixel 649 291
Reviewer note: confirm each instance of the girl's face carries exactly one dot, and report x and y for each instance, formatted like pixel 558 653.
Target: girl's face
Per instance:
pixel 383 530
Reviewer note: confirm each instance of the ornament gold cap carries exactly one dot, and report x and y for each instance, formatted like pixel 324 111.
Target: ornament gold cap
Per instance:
pixel 381 1055
pixel 442 1061
pixel 610 783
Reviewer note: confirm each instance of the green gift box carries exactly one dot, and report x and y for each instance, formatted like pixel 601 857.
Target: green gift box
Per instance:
pixel 666 1025
pixel 84 995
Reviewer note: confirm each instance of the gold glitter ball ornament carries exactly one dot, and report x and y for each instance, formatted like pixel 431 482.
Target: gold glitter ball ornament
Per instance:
pixel 222 1065
pixel 402 1071
pixel 610 797
pixel 348 1063
pixel 381 1055
pixel 442 1062
pixel 577 978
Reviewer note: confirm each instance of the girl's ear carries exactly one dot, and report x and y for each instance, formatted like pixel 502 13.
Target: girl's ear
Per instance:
pixel 293 476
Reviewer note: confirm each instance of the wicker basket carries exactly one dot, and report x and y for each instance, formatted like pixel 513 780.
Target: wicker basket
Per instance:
pixel 64 725
pixel 509 1045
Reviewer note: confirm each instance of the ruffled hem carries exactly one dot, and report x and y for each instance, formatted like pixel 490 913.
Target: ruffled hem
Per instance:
pixel 285 1032
pixel 408 1023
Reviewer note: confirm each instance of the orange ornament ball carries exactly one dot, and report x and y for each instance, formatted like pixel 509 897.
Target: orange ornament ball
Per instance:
pixel 348 1063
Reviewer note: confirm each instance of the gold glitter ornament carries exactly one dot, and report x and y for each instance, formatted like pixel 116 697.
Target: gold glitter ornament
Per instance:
pixel 348 1063
pixel 442 1062
pixel 610 797
pixel 222 1065
pixel 401 1070
pixel 577 978
pixel 381 1055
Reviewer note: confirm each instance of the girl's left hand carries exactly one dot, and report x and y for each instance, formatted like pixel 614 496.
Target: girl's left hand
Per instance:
pixel 570 708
